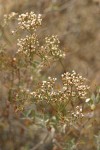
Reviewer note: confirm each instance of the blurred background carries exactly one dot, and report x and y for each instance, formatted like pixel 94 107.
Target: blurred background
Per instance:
pixel 77 24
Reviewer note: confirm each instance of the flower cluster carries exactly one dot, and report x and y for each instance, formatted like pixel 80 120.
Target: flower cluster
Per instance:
pixel 46 91
pixel 78 112
pixel 74 85
pixel 73 89
pixel 29 21
pixel 52 47
pixel 28 45
pixel 62 102
pixel 47 52
pixel 9 17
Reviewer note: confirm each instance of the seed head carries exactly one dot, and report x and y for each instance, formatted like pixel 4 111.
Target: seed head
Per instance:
pixel 29 21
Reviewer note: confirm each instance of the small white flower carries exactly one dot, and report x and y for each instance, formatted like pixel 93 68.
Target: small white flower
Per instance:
pixel 87 100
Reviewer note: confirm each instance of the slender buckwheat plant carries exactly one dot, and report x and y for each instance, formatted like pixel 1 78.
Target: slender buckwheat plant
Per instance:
pixel 35 105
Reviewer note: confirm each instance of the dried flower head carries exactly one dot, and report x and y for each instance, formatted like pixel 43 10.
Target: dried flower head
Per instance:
pixel 46 90
pixel 8 17
pixel 74 84
pixel 29 21
pixel 52 47
pixel 78 112
pixel 28 44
